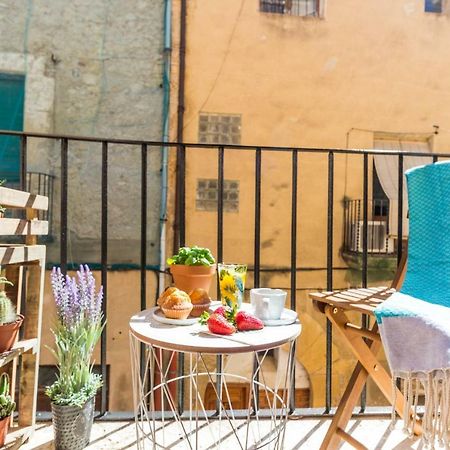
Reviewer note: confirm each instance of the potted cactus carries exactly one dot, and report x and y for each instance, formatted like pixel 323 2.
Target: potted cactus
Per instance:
pixel 192 268
pixel 7 407
pixel 10 321
pixel 79 324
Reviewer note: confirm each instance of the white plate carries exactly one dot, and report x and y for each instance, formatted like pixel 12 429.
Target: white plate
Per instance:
pixel 159 316
pixel 287 317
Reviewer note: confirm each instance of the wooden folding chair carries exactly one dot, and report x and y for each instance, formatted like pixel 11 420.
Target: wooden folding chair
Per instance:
pixel 365 344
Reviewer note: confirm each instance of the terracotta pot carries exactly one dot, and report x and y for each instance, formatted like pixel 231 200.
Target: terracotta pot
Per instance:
pixel 4 424
pixel 188 278
pixel 8 334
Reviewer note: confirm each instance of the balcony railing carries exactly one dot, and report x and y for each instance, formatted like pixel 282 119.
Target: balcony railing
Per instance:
pixel 296 157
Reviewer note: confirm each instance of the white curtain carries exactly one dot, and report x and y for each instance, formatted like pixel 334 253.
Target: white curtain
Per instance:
pixel 387 171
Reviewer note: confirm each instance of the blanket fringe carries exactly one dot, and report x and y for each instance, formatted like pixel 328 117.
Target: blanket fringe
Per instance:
pixel 436 419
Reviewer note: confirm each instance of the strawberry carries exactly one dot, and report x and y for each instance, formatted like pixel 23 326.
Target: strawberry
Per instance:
pixel 221 310
pixel 217 324
pixel 246 322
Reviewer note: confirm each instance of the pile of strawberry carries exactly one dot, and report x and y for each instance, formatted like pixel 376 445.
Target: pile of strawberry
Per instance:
pixel 225 320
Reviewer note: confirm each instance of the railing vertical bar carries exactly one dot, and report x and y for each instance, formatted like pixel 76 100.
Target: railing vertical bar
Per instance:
pixel 329 334
pixel 183 196
pixel 257 252
pixel 220 183
pixel 63 205
pixel 400 209
pixel 143 271
pixel 143 226
pixel 346 248
pixel 104 277
pixel 23 162
pixel 293 260
pixel 435 159
pixel 220 178
pixel 257 248
pixel 364 321
pixel 294 230
pixel 182 243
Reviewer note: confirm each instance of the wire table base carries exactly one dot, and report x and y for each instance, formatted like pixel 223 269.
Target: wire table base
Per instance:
pixel 199 428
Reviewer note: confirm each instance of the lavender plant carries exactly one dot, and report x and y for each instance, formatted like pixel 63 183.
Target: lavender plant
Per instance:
pixel 78 328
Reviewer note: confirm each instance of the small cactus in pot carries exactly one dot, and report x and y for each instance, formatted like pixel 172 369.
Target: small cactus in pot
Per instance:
pixel 7 407
pixel 7 310
pixel 10 321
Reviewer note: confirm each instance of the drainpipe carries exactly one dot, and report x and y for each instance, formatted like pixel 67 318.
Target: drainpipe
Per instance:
pixel 180 121
pixel 167 30
pixel 165 138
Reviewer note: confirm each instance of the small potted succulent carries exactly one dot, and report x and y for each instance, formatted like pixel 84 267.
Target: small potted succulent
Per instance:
pixel 78 327
pixel 7 407
pixel 192 268
pixel 10 321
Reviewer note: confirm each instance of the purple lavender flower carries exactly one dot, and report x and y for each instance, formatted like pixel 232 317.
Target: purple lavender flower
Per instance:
pixel 76 298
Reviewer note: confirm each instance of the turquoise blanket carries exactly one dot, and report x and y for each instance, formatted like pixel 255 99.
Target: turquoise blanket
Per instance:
pixel 415 322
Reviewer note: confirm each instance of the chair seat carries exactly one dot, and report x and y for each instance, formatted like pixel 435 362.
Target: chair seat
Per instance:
pixel 363 300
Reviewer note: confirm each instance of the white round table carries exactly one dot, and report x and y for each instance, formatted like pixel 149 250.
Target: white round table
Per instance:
pixel 159 421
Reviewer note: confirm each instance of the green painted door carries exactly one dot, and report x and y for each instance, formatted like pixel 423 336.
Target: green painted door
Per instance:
pixel 12 92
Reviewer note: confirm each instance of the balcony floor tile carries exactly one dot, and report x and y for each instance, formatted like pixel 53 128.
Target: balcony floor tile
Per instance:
pixel 301 434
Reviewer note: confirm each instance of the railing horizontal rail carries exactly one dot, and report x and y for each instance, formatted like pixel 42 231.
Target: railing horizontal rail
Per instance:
pixel 214 146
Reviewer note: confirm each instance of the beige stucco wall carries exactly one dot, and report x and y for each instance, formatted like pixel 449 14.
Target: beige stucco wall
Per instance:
pixel 325 83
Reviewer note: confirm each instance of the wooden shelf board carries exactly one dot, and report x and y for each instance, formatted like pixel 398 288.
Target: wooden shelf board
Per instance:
pixel 17 436
pixel 16 254
pixel 12 198
pixel 22 227
pixel 18 348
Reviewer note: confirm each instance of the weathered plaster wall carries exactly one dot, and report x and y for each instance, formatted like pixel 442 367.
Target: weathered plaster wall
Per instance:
pixel 94 69
pixel 327 83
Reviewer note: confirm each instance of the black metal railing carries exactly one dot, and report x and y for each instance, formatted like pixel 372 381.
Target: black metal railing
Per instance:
pixel 380 238
pixel 298 158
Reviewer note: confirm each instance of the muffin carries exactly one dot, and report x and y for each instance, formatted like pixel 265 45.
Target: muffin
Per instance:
pixel 177 305
pixel 201 302
pixel 163 297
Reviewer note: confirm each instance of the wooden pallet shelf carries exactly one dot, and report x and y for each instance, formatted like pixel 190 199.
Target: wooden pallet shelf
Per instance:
pixel 21 254
pixel 18 436
pixel 18 349
pixel 25 265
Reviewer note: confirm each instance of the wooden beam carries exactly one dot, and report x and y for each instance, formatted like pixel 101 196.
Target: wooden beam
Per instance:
pixel 32 329
pixel 351 440
pixel 21 227
pixel 19 348
pixel 363 332
pixel 18 254
pixel 12 198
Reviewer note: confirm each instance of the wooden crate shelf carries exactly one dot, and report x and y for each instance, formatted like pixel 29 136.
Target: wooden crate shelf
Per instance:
pixel 18 349
pixel 25 264
pixel 21 254
pixel 18 436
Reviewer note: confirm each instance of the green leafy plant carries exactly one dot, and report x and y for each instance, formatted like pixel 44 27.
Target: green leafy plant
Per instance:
pixel 78 328
pixel 7 310
pixel 192 256
pixel 7 406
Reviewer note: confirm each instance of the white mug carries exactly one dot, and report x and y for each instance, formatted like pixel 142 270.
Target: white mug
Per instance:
pixel 267 303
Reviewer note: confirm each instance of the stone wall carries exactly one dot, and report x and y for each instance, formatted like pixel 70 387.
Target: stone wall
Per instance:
pixel 93 69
